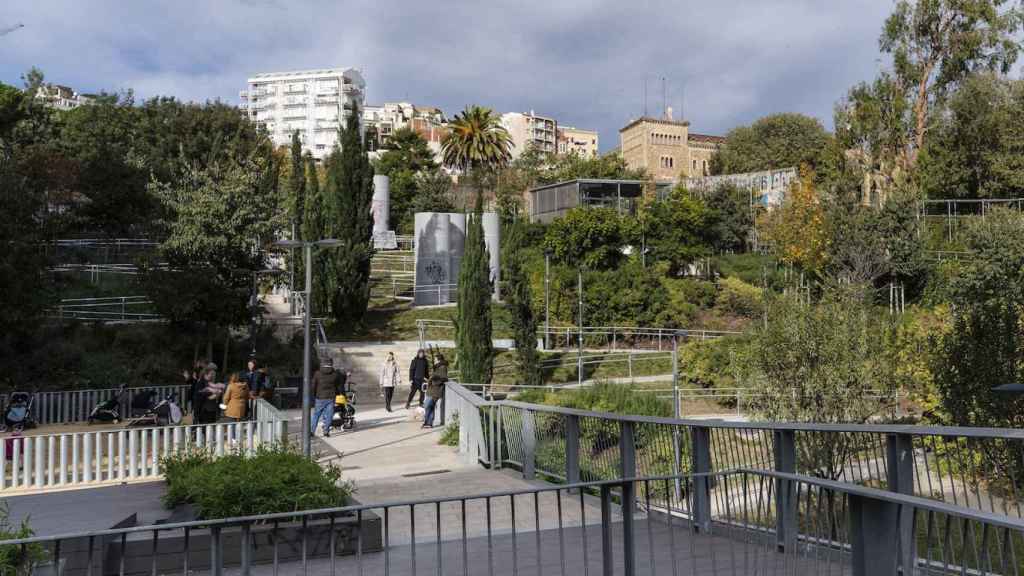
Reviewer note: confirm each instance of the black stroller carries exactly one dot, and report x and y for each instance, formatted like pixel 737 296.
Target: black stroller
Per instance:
pixel 162 414
pixel 18 412
pixel 108 410
pixel 344 415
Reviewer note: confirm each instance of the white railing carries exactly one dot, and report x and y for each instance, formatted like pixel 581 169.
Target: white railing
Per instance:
pixel 103 309
pixel 71 406
pixel 117 456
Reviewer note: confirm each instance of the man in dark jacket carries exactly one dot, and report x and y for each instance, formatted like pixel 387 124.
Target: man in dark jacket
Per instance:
pixel 435 390
pixel 327 383
pixel 419 369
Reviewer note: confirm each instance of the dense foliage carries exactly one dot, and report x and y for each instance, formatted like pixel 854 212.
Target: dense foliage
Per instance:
pixel 517 295
pixel 473 343
pixel 772 142
pixel 274 479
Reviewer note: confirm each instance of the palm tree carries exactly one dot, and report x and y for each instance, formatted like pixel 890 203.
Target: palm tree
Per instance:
pixel 477 141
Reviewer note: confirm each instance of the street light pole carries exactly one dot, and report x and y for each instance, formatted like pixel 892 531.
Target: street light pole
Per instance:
pixel 306 433
pixel 306 360
pixel 547 297
pixel 579 355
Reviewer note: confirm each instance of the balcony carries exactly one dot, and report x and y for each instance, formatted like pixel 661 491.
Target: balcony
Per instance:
pixel 295 104
pixel 295 90
pixel 350 89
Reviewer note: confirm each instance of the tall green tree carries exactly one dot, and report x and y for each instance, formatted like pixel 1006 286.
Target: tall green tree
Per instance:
pixel 474 348
pixel 348 194
pixel 985 347
pixel 776 141
pixel 221 217
pixel 314 228
pixel 519 301
pixel 297 208
pixel 592 238
pixel 677 230
pixel 976 145
pixel 477 141
pixel 935 44
pixel 406 157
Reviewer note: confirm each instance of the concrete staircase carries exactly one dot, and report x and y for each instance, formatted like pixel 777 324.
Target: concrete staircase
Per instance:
pixel 364 360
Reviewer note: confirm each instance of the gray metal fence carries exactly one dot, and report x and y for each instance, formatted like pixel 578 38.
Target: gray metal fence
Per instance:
pixel 761 522
pixel 976 468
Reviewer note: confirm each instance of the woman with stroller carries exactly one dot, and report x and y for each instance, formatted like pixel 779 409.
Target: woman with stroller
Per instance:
pixel 389 379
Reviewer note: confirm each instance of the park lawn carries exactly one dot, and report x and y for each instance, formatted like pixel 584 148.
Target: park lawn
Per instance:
pixel 388 320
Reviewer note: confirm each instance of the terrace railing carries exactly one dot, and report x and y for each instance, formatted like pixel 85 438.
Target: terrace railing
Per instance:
pixel 77 459
pixel 762 523
pixel 74 406
pixel 974 468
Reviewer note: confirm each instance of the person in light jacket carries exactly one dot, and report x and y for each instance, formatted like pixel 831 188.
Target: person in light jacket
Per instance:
pixel 389 379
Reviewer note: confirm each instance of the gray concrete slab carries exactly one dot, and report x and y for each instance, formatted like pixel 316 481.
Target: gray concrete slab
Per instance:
pixel 86 509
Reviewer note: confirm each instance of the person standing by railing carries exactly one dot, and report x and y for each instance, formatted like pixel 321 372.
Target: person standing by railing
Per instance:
pixel 389 379
pixel 435 390
pixel 236 400
pixel 256 379
pixel 419 370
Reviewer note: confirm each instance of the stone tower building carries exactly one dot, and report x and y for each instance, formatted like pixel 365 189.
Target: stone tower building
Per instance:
pixel 666 148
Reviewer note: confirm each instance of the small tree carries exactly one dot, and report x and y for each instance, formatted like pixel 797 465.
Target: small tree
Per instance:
pixel 797 230
pixel 473 319
pixel 519 301
pixel 314 228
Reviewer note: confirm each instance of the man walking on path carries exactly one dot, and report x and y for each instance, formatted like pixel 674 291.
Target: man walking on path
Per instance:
pixel 418 371
pixel 327 383
pixel 435 390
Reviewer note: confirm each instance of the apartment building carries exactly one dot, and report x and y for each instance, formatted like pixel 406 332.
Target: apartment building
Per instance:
pixel 578 140
pixel 666 148
pixel 427 121
pixel 313 102
pixel 528 129
pixel 61 97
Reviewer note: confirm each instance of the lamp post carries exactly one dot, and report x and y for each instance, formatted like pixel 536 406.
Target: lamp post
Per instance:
pixel 547 297
pixel 579 354
pixel 306 361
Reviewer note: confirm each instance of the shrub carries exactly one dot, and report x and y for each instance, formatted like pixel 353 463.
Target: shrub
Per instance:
pixel 274 479
pixel 738 297
pixel 17 560
pixel 450 435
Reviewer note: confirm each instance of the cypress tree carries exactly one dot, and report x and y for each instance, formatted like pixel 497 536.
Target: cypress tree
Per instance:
pixel 313 223
pixel 474 350
pixel 348 192
pixel 297 201
pixel 518 299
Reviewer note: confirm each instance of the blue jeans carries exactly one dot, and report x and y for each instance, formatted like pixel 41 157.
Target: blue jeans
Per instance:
pixel 428 411
pixel 323 411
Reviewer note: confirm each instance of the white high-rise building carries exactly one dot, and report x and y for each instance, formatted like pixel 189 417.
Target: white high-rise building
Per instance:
pixel 313 102
pixel 528 129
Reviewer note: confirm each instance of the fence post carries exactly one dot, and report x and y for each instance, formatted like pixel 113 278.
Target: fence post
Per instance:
pixel 873 536
pixel 900 478
pixel 700 456
pixel 627 458
pixel 785 501
pixel 572 449
pixel 529 445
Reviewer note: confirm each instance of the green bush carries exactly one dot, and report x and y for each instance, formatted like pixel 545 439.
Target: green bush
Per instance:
pixel 450 434
pixel 274 479
pixel 17 560
pixel 738 297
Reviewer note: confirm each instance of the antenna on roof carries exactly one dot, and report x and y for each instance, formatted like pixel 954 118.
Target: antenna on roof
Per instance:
pixel 682 108
pixel 664 98
pixel 645 94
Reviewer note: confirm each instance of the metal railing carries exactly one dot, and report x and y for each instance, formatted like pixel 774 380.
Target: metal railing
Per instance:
pixel 113 456
pixel 110 309
pixel 976 468
pixel 73 406
pixel 760 523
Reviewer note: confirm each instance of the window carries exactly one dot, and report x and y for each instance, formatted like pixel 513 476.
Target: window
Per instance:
pixel 694 165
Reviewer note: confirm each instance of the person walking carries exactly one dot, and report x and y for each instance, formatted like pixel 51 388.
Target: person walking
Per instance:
pixel 435 390
pixel 419 369
pixel 327 383
pixel 389 379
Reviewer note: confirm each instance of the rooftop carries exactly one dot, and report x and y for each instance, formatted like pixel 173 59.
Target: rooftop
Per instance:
pixel 652 120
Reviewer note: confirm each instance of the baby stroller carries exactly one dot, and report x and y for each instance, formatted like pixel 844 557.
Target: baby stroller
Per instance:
pixel 142 403
pixel 18 412
pixel 344 415
pixel 164 413
pixel 108 410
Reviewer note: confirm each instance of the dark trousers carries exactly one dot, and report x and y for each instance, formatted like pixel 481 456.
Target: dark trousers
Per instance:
pixel 389 392
pixel 416 386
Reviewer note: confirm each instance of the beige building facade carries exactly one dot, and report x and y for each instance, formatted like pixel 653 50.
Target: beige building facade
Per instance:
pixel 666 148
pixel 528 129
pixel 578 140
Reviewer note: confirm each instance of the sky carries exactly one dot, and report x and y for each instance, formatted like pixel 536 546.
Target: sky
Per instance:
pixel 585 63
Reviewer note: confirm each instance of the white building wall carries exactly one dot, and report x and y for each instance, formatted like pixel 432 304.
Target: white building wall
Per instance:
pixel 314 102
